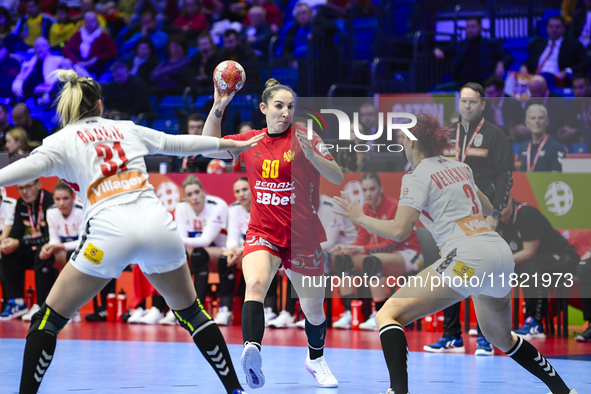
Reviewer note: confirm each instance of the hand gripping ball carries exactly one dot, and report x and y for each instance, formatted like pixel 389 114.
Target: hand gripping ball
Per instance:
pixel 229 76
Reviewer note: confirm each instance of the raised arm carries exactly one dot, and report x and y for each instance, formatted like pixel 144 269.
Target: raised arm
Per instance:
pixel 213 123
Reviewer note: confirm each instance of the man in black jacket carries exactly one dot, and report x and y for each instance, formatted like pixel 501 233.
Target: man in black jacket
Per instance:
pixel 475 59
pixel 20 251
pixel 241 52
pixel 126 95
pixel 560 55
pixel 482 146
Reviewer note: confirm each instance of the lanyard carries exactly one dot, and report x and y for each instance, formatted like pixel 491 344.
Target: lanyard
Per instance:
pixel 517 210
pixel 530 166
pixel 469 143
pixel 36 226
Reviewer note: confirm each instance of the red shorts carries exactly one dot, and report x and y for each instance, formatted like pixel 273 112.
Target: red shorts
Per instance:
pixel 305 260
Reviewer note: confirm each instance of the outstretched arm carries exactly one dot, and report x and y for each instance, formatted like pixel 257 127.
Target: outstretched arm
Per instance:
pixel 26 170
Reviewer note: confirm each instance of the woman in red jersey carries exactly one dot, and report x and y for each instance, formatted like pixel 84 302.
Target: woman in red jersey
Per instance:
pixel 370 252
pixel 284 173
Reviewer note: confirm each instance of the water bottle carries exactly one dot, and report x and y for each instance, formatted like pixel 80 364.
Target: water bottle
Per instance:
pixel 30 297
pixel 121 304
pixel 356 312
pixel 111 307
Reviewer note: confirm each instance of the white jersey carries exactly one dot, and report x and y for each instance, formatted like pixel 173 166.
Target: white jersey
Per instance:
pixel 65 230
pixel 7 212
pixel 339 230
pixel 443 190
pixel 102 159
pixel 238 219
pixel 208 228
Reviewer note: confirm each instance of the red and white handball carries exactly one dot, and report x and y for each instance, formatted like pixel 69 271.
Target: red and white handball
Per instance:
pixel 216 166
pixel 229 76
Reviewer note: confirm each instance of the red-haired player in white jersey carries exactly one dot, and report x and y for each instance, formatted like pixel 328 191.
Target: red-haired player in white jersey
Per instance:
pixel 443 194
pixel 284 172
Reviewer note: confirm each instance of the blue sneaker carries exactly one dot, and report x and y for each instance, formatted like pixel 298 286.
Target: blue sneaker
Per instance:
pixel 531 329
pixel 483 347
pixel 12 310
pixel 238 392
pixel 446 345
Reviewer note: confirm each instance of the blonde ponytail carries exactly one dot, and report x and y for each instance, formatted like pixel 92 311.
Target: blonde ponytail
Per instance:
pixel 78 97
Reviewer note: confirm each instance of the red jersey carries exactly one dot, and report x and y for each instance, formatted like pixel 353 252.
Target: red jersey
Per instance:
pixel 285 189
pixel 375 244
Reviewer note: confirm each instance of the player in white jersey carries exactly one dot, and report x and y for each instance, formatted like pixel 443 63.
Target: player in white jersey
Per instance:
pixel 201 219
pixel 443 194
pixel 7 207
pixel 124 222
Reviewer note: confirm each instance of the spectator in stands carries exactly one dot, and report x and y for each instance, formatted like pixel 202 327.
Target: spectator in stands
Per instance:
pixel 90 47
pixel 258 32
pixel 191 22
pixel 148 29
pixel 9 69
pixel 17 143
pixel 37 77
pixel 10 6
pixel 144 61
pixel 475 58
pixel 34 128
pixel 4 126
pixel 537 249
pixel 577 120
pixel 580 28
pixel 87 6
pixel 203 64
pixel 172 76
pixel 554 103
pixel 235 49
pixel 517 83
pixel 63 29
pixel 272 14
pixel 560 56
pixel 30 27
pixel 295 43
pixel 540 153
pixel 195 163
pixel 126 95
pixel 5 22
pixel 501 109
pixel 20 251
pixel 165 10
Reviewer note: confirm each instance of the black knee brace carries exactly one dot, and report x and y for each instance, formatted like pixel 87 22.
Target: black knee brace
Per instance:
pixel 47 320
pixel 200 262
pixel 372 266
pixel 193 318
pixel 343 265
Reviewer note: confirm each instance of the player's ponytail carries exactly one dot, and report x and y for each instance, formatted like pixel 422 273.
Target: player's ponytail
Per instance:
pixel 272 86
pixel 78 98
pixel 433 139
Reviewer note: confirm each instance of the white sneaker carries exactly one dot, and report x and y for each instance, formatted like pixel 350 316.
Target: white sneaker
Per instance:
pixel 252 363
pixel 169 319
pixel 269 315
pixel 344 323
pixel 370 324
pixel 390 391
pixel 284 320
pixel 319 369
pixel 301 324
pixel 473 332
pixel 76 318
pixel 223 317
pixel 29 315
pixel 136 315
pixel 152 317
pixel 571 392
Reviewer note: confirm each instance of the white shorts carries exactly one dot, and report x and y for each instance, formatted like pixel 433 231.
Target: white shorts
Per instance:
pixel 478 267
pixel 413 260
pixel 142 232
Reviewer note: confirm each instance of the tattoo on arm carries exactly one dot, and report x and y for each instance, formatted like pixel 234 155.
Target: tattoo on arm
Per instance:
pixel 218 113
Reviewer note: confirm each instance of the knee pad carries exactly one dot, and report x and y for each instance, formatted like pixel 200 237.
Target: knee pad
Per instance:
pixel 194 318
pixel 372 266
pixel 343 264
pixel 46 319
pixel 225 271
pixel 200 262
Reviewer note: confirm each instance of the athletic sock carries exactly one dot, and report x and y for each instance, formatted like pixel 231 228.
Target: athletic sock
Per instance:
pixel 253 323
pixel 316 337
pixel 227 282
pixel 395 350
pixel 210 341
pixel 347 301
pixel 39 351
pixel 379 305
pixel 158 302
pixel 526 355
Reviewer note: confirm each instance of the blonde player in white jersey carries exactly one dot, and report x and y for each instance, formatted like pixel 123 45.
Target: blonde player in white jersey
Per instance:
pixel 124 223
pixel 201 219
pixel 442 193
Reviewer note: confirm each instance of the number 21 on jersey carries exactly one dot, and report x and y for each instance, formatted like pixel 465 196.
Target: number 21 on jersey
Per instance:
pixel 110 166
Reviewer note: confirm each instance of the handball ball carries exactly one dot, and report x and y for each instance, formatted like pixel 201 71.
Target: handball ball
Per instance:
pixel 229 76
pixel 216 166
